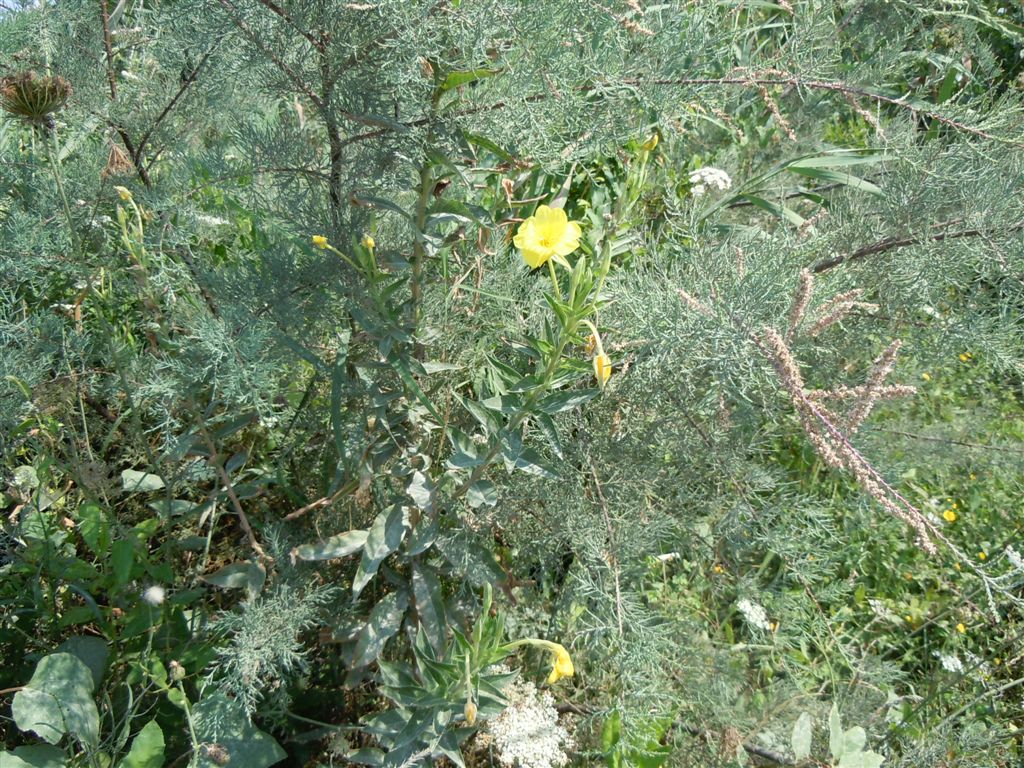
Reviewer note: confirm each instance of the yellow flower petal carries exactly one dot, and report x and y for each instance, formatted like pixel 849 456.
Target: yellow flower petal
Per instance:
pixel 561 664
pixel 961 628
pixel 319 241
pixel 368 242
pixel 949 515
pixel 545 234
pixel 651 143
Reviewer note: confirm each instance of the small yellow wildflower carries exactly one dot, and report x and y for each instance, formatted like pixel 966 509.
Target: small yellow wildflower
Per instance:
pixel 320 241
pixel 997 661
pixel 926 376
pixel 561 664
pixel 955 505
pixel 545 234
pixel 973 476
pixel 718 569
pixel 368 242
pixel 982 555
pixel 909 618
pixel 651 143
pixel 469 711
pixel 957 566
pixel 949 515
pixel 123 193
pixel 961 628
pixel 602 368
pixel 964 358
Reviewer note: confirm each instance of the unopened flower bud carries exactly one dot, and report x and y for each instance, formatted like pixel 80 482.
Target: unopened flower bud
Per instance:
pixel 368 242
pixel 123 193
pixel 177 671
pixel 470 712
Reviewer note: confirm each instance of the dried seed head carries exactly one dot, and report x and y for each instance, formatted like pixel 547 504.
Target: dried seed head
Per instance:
pixel 33 98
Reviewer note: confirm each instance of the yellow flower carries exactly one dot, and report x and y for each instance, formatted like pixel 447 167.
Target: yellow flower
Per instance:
pixel 651 143
pixel 964 358
pixel 547 233
pixel 561 664
pixel 320 241
pixel 949 515
pixel 957 566
pixel 961 628
pixel 469 711
pixel 602 368
pixel 123 193
pixel 926 376
pixel 368 242
pixel 718 569
pixel 982 555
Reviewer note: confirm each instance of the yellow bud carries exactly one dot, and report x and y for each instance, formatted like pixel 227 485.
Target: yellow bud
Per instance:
pixel 602 368
pixel 123 193
pixel 651 143
pixel 320 241
pixel 368 242
pixel 961 628
pixel 926 376
pixel 470 712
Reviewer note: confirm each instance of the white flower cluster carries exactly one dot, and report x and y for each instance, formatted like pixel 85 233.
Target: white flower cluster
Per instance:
pixel 527 733
pixel 1015 559
pixel 754 614
pixel 949 662
pixel 704 179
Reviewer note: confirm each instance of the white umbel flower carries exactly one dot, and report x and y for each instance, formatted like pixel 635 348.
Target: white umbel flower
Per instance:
pixel 704 179
pixel 527 733
pixel 154 595
pixel 754 614
pixel 1015 559
pixel 950 662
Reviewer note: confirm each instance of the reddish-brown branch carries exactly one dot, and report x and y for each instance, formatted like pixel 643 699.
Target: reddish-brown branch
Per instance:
pixel 891 243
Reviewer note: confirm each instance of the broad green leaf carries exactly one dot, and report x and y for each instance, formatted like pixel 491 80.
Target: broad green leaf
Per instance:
pixel 221 721
pixel 58 701
pixel 860 760
pixel 384 622
pixel 34 756
pixel 385 536
pixel 482 493
pixel 147 748
pixel 854 740
pixel 91 651
pixel 245 575
pixel 421 491
pixel 133 481
pixel 338 545
pixel 801 740
pixel 94 528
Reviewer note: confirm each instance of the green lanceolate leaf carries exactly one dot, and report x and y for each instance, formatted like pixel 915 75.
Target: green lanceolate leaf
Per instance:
pixel 133 481
pixel 801 739
pixel 429 600
pixel 384 622
pixel 385 536
pixel 338 545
